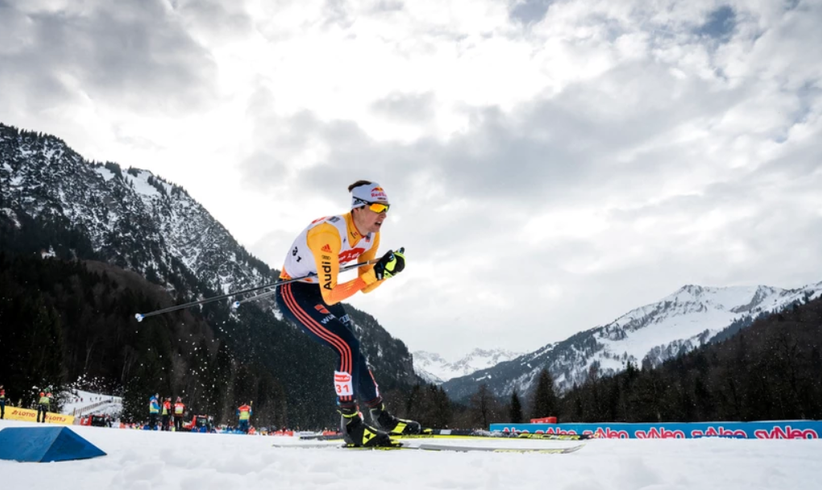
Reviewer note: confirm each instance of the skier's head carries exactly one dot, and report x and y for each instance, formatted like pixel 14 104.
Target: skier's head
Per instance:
pixel 369 205
pixel 179 399
pixel 42 394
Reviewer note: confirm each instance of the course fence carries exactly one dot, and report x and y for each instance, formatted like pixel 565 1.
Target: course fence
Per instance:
pixel 779 429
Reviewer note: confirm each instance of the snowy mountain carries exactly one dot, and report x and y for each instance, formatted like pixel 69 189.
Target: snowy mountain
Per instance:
pixel 646 336
pixel 434 369
pixel 132 218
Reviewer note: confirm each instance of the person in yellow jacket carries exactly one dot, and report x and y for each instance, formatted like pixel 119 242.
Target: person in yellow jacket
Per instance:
pixel 244 413
pixel 43 407
pixel 313 304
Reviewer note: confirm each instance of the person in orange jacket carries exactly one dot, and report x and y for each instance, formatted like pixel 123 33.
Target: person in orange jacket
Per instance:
pixel 179 409
pixel 244 413
pixel 166 413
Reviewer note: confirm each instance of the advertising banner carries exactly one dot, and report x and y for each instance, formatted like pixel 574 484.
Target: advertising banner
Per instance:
pixel 778 429
pixel 14 413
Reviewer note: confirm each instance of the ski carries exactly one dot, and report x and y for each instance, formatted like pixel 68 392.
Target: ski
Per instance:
pixel 499 449
pixel 466 434
pixel 439 447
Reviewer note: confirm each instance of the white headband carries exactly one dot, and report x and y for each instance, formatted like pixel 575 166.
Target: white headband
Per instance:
pixel 366 194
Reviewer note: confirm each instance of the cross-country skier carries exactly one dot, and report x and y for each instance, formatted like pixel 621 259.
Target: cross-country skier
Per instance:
pixel 314 304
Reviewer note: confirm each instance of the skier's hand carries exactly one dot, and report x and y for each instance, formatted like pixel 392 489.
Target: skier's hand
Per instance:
pixel 391 264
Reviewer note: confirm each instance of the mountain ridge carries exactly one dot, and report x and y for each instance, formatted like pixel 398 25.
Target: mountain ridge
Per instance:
pixel 433 368
pixel 648 335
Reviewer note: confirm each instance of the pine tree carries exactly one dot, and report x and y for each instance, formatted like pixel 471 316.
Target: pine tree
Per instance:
pixel 515 411
pixel 484 407
pixel 545 402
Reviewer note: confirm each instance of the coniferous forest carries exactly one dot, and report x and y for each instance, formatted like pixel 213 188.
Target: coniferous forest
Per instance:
pixel 66 319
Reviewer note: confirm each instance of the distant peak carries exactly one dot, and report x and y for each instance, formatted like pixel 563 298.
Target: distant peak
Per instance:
pixel 692 289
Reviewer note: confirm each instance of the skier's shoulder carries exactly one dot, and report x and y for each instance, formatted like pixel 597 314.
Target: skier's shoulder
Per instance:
pixel 330 229
pixel 335 222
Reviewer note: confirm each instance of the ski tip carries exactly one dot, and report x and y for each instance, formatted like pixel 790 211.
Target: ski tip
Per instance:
pixel 139 317
pixel 235 305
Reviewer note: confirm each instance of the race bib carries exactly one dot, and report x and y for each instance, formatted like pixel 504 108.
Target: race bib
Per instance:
pixel 343 383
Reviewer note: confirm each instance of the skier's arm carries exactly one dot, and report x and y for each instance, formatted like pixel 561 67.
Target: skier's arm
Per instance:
pixel 325 244
pixel 366 269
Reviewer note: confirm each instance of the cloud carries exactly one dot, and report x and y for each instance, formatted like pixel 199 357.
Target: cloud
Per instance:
pixel 614 191
pixel 720 24
pixel 122 53
pixel 215 21
pixel 391 6
pixel 551 165
pixel 411 108
pixel 530 11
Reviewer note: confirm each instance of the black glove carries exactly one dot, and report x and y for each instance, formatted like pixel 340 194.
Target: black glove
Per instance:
pixel 391 264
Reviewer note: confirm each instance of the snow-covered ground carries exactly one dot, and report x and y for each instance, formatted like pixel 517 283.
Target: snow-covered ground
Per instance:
pixel 81 402
pixel 168 460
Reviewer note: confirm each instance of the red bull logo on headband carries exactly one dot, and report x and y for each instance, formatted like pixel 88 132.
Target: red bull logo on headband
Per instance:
pixel 378 193
pixel 367 194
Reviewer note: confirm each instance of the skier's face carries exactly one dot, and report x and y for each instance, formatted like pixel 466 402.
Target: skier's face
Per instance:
pixel 369 221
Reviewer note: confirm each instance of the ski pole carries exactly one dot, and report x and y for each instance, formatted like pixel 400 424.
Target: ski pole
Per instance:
pixel 237 303
pixel 141 316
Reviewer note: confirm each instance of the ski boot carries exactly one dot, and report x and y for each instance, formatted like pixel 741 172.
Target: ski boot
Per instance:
pixel 391 424
pixel 357 433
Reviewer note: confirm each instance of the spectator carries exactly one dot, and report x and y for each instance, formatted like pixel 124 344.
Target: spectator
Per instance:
pixel 167 413
pixel 244 412
pixel 179 408
pixel 153 411
pixel 43 407
pixel 2 403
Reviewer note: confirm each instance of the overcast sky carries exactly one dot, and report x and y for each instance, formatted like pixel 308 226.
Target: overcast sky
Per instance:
pixel 551 164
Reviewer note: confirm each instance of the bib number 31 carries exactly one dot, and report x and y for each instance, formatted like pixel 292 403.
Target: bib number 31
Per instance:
pixel 343 383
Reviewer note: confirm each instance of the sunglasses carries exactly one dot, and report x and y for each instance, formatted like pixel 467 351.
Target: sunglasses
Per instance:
pixel 377 207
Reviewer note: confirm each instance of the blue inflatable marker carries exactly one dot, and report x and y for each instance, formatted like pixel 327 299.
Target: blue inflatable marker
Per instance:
pixel 44 445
